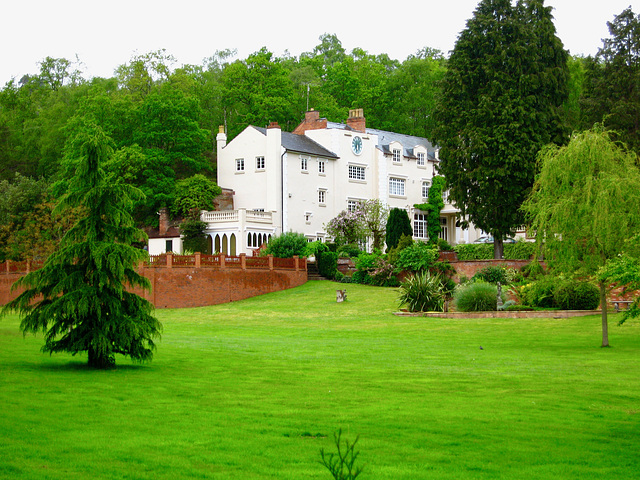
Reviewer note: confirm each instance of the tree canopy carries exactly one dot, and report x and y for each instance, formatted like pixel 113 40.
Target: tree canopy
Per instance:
pixel 612 84
pixel 584 205
pixel 505 81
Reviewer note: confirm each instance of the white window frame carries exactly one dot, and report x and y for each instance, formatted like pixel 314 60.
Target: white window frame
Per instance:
pixel 357 172
pixel 420 225
pixel 239 164
pixel 397 155
pixel 426 185
pixel 304 164
pixel 260 163
pixel 322 196
pixel 352 204
pixel 397 186
pixel 322 167
pixel 421 159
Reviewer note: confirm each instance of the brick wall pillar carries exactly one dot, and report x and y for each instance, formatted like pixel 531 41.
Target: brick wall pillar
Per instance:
pixel 270 257
pixel 222 262
pixel 197 255
pixel 243 261
pixel 296 258
pixel 169 259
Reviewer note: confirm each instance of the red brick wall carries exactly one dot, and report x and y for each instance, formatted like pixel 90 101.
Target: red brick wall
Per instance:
pixel 180 287
pixel 469 268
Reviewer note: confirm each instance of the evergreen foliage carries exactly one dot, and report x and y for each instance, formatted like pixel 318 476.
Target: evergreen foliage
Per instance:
pixel 80 299
pixel 422 292
pixel 433 207
pixel 194 238
pixel 505 81
pixel 398 224
pixel 476 297
pixel 612 84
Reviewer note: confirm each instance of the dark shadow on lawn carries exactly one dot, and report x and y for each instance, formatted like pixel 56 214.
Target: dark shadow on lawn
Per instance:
pixel 75 366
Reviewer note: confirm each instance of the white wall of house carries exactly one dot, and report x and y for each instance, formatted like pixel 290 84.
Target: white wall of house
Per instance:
pixel 158 246
pixel 305 192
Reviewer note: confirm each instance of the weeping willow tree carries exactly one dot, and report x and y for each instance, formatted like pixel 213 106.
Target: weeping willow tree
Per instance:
pixel 81 298
pixel 584 204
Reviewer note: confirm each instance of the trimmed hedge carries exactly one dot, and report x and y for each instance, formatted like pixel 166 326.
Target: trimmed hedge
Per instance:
pixel 484 251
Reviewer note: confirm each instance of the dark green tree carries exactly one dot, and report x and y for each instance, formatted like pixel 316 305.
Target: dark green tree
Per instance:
pixel 80 299
pixel 435 203
pixel 398 224
pixel 505 83
pixel 612 84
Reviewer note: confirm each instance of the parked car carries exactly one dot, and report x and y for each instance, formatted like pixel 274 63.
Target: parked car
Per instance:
pixel 489 239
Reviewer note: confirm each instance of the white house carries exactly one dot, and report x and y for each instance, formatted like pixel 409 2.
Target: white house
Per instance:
pixel 299 181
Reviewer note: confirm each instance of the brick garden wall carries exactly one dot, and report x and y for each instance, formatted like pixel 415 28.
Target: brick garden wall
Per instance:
pixel 176 286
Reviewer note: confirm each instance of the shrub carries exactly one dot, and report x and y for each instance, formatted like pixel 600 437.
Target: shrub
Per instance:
pixel 577 295
pixel 422 292
pixel 287 245
pixel 350 250
pixel 444 245
pixel 374 269
pixel 404 242
pixel 492 274
pixel 417 257
pixel 532 269
pixel 476 297
pixel 518 308
pixel 539 293
pixel 327 263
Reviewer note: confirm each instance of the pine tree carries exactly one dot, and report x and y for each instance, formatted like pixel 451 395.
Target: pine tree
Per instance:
pixel 612 86
pixel 505 83
pixel 81 298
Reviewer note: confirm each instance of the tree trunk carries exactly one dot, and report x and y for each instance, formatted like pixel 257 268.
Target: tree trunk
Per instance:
pixel 100 361
pixel 603 306
pixel 498 248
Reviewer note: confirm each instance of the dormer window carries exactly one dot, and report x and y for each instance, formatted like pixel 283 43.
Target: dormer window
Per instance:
pixel 420 160
pixel 397 155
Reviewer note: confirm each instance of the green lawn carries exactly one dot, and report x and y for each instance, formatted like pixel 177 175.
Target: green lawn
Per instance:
pixel 254 389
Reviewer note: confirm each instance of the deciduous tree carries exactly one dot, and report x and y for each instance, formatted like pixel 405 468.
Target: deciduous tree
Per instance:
pixel 584 205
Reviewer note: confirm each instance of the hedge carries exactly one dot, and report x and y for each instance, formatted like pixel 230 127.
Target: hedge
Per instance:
pixel 484 251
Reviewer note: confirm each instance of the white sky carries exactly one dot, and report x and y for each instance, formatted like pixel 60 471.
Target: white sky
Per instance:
pixel 107 34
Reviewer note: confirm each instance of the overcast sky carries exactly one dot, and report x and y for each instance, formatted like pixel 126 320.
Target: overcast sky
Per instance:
pixel 106 34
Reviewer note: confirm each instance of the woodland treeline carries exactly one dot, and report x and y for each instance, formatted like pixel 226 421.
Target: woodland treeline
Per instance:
pixel 162 117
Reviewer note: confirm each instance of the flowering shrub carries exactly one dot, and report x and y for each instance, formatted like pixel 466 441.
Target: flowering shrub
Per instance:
pixel 374 269
pixel 346 228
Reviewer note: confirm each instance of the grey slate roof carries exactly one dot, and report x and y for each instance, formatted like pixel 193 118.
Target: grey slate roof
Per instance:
pixel 408 142
pixel 301 144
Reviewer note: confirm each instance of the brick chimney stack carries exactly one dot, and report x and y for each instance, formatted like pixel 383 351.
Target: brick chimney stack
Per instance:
pixel 356 120
pixel 312 121
pixel 163 221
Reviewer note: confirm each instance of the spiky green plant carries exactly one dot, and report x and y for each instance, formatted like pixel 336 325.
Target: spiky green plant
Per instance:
pixel 422 292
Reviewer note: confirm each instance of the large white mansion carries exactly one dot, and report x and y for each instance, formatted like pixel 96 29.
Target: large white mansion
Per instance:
pixel 299 181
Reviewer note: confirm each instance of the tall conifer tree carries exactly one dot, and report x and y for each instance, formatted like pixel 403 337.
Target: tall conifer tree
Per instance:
pixel 505 82
pixel 80 298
